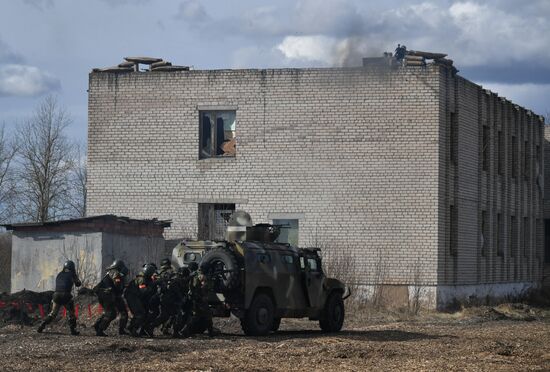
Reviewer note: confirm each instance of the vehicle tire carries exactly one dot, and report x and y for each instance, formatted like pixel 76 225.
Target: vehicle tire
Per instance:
pixel 223 259
pixel 276 324
pixel 332 318
pixel 258 320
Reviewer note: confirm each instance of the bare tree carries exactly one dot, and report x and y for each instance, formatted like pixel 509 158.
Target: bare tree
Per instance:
pixel 45 161
pixel 77 182
pixel 8 149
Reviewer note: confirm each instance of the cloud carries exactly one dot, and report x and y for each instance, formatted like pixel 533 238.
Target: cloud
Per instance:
pixel 480 36
pixel 115 3
pixel 40 4
pixel 21 80
pixel 192 11
pixel 330 51
pixel 7 55
pixel 531 96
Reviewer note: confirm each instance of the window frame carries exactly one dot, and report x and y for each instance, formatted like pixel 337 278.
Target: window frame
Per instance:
pixel 215 113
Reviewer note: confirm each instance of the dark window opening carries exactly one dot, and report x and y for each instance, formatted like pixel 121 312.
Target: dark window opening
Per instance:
pixel 484 236
pixel 500 235
pixel 213 220
pixel 485 148
pixel 526 234
pixel 547 241
pixel 454 138
pixel 514 156
pixel 526 161
pixel 500 153
pixel 453 236
pixel 513 236
pixel 217 134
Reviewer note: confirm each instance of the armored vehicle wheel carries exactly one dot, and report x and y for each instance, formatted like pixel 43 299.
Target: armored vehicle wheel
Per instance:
pixel 333 314
pixel 258 320
pixel 224 261
pixel 276 324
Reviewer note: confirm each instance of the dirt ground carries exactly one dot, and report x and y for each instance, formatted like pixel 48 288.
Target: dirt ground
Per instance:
pixel 509 337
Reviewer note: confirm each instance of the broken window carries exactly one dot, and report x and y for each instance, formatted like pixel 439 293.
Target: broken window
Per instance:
pixel 217 134
pixel 213 220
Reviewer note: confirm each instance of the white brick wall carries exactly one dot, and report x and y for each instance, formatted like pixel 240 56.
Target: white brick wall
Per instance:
pixel 362 153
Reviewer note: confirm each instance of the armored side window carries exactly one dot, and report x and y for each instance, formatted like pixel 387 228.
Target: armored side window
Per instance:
pixel 192 257
pixel 263 258
pixel 287 259
pixel 312 264
pixel 217 134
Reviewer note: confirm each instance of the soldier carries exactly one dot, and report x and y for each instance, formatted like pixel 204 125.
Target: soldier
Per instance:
pixel 165 275
pixel 173 299
pixel 109 293
pixel 62 297
pixel 166 268
pixel 138 295
pixel 200 288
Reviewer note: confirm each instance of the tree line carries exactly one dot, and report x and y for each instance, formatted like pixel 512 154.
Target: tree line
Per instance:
pixel 42 171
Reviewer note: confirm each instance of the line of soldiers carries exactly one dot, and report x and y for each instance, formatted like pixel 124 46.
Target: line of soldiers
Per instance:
pixel 173 299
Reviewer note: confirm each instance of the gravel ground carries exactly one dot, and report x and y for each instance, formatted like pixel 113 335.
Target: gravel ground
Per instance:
pixel 481 340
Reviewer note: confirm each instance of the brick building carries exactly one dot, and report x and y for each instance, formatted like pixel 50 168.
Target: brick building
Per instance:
pixel 427 179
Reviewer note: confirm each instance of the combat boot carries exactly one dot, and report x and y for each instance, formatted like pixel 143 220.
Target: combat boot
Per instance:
pixel 212 331
pixel 72 326
pixel 41 327
pixel 122 331
pixel 98 331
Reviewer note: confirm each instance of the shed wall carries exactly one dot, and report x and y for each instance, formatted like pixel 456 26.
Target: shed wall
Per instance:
pixel 38 257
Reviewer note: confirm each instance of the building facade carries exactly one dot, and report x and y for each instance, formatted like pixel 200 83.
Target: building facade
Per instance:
pixel 424 178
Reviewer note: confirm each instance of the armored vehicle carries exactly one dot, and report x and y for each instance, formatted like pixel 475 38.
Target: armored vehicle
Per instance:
pixel 261 282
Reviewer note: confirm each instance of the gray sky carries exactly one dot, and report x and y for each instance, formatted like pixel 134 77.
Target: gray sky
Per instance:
pixel 50 46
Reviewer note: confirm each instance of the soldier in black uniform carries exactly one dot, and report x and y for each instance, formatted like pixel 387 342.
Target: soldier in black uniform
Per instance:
pixel 63 297
pixel 109 293
pixel 138 295
pixel 173 301
pixel 199 289
pixel 165 275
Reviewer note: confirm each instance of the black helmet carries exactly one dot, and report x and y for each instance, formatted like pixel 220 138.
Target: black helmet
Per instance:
pixel 149 270
pixel 118 265
pixel 184 272
pixel 193 266
pixel 69 265
pixel 165 262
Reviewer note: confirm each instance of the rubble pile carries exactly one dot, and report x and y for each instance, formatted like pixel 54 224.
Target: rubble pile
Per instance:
pixel 410 58
pixel 131 64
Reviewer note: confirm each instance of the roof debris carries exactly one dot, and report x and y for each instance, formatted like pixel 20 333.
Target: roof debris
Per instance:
pixel 414 58
pixel 132 64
